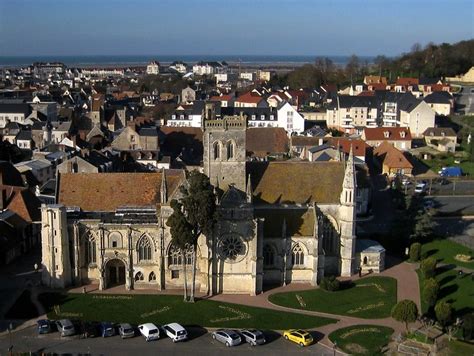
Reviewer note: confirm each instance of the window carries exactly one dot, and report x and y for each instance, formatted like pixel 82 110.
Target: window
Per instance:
pixel 175 274
pixel 175 257
pixel 152 277
pixel 297 256
pixel 268 256
pixel 144 249
pixel 91 251
pixel 272 117
pixel 230 150
pixel 114 244
pixel 217 150
pixel 253 117
pixel 139 277
pixel 262 117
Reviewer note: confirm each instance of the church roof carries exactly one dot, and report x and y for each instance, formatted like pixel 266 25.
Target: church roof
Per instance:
pixel 296 182
pixel 109 191
pixel 299 222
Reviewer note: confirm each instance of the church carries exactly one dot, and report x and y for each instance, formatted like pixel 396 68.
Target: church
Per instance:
pixel 279 222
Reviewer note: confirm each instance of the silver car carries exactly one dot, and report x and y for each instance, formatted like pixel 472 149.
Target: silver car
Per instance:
pixel 65 327
pixel 227 337
pixel 126 331
pixel 253 337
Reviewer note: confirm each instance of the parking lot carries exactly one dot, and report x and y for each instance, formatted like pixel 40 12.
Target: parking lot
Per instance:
pixel 200 343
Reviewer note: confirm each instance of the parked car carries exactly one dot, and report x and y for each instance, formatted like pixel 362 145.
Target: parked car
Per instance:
pixel 44 326
pixel 301 337
pixel 91 329
pixel 175 332
pixel 227 337
pixel 420 188
pixel 65 327
pixel 253 337
pixel 450 172
pixel 107 329
pixel 405 182
pixel 126 330
pixel 150 331
pixel 429 204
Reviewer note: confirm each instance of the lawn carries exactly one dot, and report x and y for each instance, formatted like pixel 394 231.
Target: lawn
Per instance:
pixel 460 348
pixel 138 309
pixel 362 339
pixel 455 289
pixel 371 297
pixel 445 251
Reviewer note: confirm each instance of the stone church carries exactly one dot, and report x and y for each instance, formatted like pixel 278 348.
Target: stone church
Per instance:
pixel 279 222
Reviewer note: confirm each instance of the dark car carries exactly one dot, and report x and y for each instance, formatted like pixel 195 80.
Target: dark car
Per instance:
pixel 44 326
pixel 91 329
pixel 107 329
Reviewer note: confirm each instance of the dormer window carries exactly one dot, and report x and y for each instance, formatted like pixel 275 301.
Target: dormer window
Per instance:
pixel 271 117
pixel 173 117
pixel 386 134
pixel 262 117
pixel 402 134
pixel 442 133
pixel 253 117
pixel 431 133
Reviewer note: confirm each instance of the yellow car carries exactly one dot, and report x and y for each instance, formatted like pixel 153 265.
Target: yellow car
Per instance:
pixel 301 337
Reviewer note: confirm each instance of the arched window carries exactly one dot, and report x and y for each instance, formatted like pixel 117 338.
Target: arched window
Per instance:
pixel 365 260
pixel 144 249
pixel 175 256
pixel 230 150
pixel 268 256
pixel 91 251
pixel 217 150
pixel 139 277
pixel 152 277
pixel 297 256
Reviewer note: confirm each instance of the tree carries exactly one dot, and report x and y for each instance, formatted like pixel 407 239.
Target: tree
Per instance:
pixel 430 291
pixel 181 237
pixel 330 283
pixel 353 67
pixel 415 252
pixel 428 267
pixel 468 326
pixel 199 207
pixel 443 312
pixel 405 311
pixel 424 226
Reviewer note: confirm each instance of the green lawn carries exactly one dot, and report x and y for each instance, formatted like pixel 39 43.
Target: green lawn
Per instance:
pixel 454 289
pixel 446 250
pixel 164 309
pixel 447 160
pixel 371 297
pixel 362 339
pixel 460 348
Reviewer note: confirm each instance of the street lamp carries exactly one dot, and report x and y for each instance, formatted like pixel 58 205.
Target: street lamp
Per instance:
pixel 334 348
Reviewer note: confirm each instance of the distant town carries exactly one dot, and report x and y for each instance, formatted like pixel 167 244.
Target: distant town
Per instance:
pixel 277 197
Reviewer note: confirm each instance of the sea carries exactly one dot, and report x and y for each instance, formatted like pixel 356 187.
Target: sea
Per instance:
pixel 141 60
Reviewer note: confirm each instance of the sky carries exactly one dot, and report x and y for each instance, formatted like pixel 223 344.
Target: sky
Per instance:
pixel 228 27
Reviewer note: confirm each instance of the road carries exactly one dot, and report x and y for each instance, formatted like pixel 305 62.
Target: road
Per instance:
pixel 453 205
pixel 200 343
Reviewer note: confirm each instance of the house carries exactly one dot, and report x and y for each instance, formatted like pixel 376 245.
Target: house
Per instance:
pixel 404 84
pixel 153 68
pixel 441 102
pixel 290 119
pixel 443 139
pixel 264 75
pixel 399 137
pixel 46 105
pixel 468 77
pixel 24 140
pixel 60 131
pixel 392 161
pixel 209 68
pixel 193 115
pixel 351 114
pixel 224 100
pixel 250 100
pixel 375 79
pixel 93 162
pixel 179 67
pixel 42 169
pixel 13 112
pixel 299 145
pixel 188 95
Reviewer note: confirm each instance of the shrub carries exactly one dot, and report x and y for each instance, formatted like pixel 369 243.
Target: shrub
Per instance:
pixel 415 252
pixel 330 284
pixel 443 313
pixel 405 311
pixel 468 327
pixel 428 267
pixel 430 291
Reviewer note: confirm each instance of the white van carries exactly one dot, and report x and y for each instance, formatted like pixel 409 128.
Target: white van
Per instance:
pixel 150 331
pixel 175 332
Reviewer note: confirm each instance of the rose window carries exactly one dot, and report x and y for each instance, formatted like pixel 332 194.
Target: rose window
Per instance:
pixel 231 247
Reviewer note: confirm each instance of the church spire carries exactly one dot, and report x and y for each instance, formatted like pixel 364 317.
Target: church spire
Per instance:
pixel 163 189
pixel 248 190
pixel 349 175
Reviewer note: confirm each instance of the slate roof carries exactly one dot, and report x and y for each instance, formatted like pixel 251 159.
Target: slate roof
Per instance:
pixel 296 182
pixel 24 135
pixel 108 191
pixel 9 175
pixel 439 131
pixel 348 101
pixel 7 108
pixel 438 98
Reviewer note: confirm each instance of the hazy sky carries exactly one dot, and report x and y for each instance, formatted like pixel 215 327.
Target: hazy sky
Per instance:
pixel 273 27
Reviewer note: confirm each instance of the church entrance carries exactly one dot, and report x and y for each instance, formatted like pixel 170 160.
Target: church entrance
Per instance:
pixel 115 272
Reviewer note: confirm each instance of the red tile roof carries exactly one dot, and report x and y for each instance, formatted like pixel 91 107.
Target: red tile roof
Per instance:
pixel 387 134
pixel 250 98
pixel 359 147
pixel 407 81
pixel 26 205
pixel 391 157
pixel 262 141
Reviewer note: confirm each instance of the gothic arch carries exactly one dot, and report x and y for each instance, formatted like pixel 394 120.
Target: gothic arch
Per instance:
pixel 115 240
pixel 299 255
pixel 230 150
pixel 145 248
pixel 175 257
pixel 269 253
pixel 217 150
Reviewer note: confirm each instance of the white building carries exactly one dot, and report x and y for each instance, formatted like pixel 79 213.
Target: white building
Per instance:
pixel 153 68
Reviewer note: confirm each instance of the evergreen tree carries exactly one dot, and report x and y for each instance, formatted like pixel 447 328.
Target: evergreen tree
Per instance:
pixel 405 311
